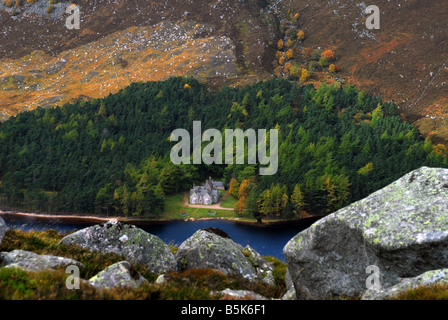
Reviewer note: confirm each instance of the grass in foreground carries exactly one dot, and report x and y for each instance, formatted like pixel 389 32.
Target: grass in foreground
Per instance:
pixel 431 292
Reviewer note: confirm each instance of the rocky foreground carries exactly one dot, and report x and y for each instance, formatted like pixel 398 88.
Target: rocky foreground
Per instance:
pixel 400 231
pixel 388 243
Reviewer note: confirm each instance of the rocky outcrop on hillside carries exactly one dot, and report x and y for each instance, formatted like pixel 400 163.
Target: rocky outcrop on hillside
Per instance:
pixel 131 242
pixel 402 230
pixel 208 248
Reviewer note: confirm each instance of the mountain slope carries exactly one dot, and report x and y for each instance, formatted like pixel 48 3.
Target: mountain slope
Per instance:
pixel 120 42
pixel 224 42
pixel 406 60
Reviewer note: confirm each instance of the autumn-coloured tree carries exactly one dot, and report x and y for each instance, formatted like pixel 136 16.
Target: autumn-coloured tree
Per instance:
pixel 296 16
pixel 243 191
pixel 440 149
pixel 8 3
pixel 290 53
pixel 333 68
pixel 281 61
pixel 280 44
pixel 187 86
pixel 289 43
pixel 297 200
pixel 305 75
pixel 287 67
pixel 240 206
pixel 232 186
pixel 329 54
pixel 300 35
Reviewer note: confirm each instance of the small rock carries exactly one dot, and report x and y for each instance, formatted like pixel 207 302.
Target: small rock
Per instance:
pixel 120 274
pixel 31 261
pixel 162 279
pixel 240 294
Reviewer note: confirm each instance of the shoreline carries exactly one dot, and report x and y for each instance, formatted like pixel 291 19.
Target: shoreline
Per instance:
pixel 80 219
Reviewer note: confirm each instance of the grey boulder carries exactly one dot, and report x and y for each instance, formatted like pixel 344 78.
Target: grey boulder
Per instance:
pixel 31 261
pixel 120 274
pixel 212 248
pixel 401 229
pixel 134 244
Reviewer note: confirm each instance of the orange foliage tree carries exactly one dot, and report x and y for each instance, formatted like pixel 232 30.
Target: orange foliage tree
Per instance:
pixel 290 53
pixel 281 61
pixel 300 35
pixel 329 54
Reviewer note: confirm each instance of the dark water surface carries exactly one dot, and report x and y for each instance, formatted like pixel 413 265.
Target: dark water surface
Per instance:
pixel 266 239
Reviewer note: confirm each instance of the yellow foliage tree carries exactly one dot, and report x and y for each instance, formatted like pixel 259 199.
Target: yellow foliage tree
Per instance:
pixel 289 43
pixel 232 186
pixel 295 72
pixel 366 169
pixel 333 68
pixel 300 35
pixel 287 68
pixel 280 44
pixel 242 191
pixel 305 75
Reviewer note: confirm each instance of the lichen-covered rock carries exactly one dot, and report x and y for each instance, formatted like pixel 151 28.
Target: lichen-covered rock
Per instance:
pixel 428 278
pixel 402 229
pixel 31 261
pixel 290 290
pixel 134 244
pixel 240 294
pixel 208 248
pixel 2 229
pixel 262 267
pixel 120 274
